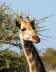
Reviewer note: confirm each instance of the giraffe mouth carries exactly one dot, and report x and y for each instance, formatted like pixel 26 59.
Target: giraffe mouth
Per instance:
pixel 36 39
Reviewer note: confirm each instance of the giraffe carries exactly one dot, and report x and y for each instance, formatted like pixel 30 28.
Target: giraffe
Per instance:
pixel 28 36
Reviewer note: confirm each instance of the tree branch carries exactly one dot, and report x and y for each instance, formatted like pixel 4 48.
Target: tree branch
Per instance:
pixel 6 42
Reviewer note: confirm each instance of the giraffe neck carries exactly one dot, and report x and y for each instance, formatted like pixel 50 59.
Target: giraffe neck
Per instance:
pixel 32 56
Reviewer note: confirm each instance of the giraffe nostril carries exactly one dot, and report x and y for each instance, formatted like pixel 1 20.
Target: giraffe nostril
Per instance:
pixel 36 38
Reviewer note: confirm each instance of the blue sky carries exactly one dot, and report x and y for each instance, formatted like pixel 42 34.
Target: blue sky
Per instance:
pixel 39 9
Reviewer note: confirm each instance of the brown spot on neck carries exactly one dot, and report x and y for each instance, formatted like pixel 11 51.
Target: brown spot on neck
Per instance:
pixel 28 52
pixel 33 67
pixel 30 60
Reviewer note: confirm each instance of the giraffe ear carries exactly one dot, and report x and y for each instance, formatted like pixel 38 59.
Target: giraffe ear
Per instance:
pixel 18 21
pixel 33 24
pixel 18 24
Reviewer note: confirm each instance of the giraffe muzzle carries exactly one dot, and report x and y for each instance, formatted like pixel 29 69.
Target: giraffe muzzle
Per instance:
pixel 36 39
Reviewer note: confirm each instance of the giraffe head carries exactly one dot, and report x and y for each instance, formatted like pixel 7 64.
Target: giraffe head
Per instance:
pixel 27 30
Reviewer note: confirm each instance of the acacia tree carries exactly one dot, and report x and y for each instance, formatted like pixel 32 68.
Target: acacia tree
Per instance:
pixel 9 35
pixel 11 61
pixel 49 57
pixel 8 30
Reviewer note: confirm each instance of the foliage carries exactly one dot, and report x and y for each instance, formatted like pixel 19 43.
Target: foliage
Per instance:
pixel 8 30
pixel 50 57
pixel 11 60
pixel 9 35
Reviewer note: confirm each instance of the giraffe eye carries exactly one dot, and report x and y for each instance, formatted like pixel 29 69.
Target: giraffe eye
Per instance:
pixel 18 24
pixel 23 29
